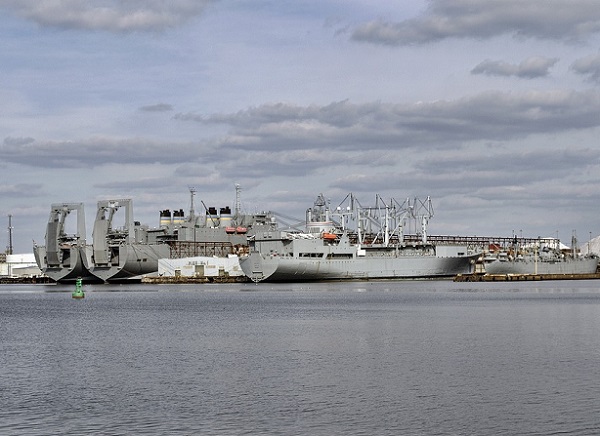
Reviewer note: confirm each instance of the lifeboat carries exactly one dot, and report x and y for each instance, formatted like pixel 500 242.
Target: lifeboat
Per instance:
pixel 229 230
pixel 240 229
pixel 329 236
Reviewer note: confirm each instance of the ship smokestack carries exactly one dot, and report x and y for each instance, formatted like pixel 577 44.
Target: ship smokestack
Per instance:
pixel 165 218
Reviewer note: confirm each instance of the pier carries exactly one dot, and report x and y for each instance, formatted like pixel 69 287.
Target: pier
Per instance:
pixel 189 280
pixel 479 277
pixel 25 280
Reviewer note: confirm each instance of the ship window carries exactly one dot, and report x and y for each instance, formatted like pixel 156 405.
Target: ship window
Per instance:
pixel 339 256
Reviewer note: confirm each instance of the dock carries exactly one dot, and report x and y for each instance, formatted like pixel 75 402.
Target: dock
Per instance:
pixel 189 280
pixel 25 280
pixel 480 277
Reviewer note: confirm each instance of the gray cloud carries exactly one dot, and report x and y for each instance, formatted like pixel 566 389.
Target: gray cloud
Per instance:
pixel 21 190
pixel 97 151
pixel 159 107
pixel 548 19
pixel 480 171
pixel 289 140
pixel 530 68
pixel 506 168
pixel 441 124
pixel 108 15
pixel 10 141
pixel 588 66
pixel 137 185
pixel 559 162
pixel 292 138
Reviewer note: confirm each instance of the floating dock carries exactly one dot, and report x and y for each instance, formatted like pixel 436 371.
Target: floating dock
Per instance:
pixel 479 277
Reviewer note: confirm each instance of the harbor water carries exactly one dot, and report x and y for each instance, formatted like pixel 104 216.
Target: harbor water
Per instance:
pixel 357 358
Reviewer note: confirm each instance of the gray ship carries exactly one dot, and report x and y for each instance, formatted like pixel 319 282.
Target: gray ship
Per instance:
pixel 377 248
pixel 122 253
pixel 128 251
pixel 65 256
pixel 543 256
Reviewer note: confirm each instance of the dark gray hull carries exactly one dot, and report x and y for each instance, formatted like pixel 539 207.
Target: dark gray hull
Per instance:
pixel 273 268
pixel 530 266
pixel 65 257
pixel 73 264
pixel 131 262
pixel 316 259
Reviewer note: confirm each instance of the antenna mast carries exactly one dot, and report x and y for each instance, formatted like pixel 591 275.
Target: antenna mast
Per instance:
pixel 192 211
pixel 238 201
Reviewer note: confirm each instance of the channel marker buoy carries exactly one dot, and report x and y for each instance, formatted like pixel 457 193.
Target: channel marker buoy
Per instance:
pixel 78 293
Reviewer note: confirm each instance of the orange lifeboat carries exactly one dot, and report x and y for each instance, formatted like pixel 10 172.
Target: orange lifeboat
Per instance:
pixel 230 230
pixel 329 236
pixel 240 229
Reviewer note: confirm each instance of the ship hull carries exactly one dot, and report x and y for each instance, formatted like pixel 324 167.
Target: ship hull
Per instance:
pixel 273 268
pixel 65 257
pixel 73 265
pixel 131 262
pixel 569 266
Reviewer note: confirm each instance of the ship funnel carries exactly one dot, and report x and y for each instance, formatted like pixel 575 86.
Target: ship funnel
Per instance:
pixel 165 218
pixel 178 217
pixel 225 217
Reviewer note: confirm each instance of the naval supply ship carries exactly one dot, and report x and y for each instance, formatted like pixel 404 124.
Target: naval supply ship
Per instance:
pixel 65 256
pixel 128 251
pixel 541 256
pixel 121 253
pixel 376 248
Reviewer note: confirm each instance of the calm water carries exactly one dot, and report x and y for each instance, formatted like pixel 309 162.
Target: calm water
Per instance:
pixel 367 358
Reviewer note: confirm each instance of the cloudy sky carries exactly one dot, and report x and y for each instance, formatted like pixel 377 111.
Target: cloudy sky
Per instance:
pixel 491 107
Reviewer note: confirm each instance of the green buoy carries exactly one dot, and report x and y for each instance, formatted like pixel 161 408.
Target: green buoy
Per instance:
pixel 78 292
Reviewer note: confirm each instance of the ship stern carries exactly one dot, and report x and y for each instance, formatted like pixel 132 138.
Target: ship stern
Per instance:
pixel 258 267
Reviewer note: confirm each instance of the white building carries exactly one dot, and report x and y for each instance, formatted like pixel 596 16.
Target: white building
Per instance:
pixel 591 247
pixel 19 265
pixel 201 266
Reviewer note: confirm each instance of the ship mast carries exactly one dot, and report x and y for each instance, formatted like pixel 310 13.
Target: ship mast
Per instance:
pixel 192 211
pixel 238 201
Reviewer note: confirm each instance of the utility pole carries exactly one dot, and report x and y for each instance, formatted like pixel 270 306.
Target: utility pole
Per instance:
pixel 9 249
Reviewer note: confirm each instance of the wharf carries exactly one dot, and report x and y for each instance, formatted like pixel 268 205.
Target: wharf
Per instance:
pixel 183 280
pixel 25 280
pixel 479 277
